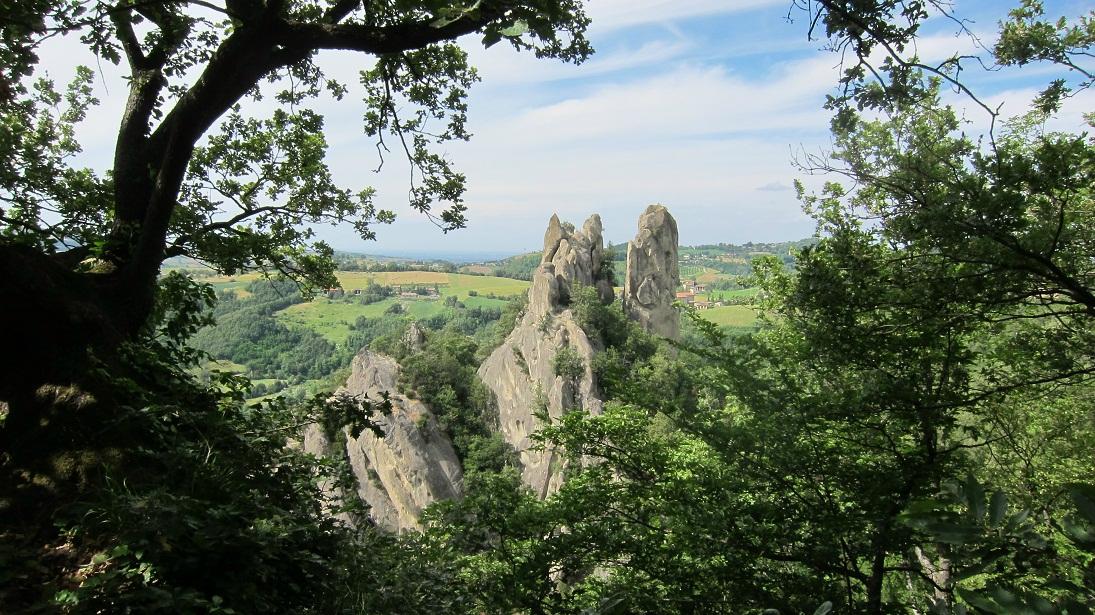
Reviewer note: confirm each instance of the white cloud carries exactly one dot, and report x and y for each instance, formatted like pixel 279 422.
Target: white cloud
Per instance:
pixel 698 139
pixel 688 100
pixel 615 14
pixel 499 66
pixel 776 186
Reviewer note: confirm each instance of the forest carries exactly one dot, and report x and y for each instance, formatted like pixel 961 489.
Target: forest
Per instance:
pixel 907 429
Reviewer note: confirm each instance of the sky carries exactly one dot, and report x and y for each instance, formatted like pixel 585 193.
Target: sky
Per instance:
pixel 700 105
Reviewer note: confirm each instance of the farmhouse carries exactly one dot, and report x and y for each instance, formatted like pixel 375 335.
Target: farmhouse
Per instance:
pixel 686 297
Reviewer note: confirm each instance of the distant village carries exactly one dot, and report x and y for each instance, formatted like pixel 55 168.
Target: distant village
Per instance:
pixel 400 291
pixel 692 289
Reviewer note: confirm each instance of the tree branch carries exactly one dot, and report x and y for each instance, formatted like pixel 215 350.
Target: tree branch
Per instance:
pixel 128 38
pixel 380 40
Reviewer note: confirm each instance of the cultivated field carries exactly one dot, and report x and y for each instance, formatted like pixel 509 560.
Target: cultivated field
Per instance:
pixel 332 318
pixel 457 284
pixel 737 316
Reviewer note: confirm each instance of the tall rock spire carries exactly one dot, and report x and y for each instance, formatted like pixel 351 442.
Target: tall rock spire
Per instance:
pixel 653 274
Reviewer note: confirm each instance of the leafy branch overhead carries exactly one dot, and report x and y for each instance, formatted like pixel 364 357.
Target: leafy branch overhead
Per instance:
pixel 878 48
pixel 191 63
pixel 193 174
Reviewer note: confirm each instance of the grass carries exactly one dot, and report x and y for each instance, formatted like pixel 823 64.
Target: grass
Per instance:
pixel 730 316
pixel 449 284
pixel 237 283
pixel 704 275
pixel 220 365
pixel 727 294
pixel 483 302
pixel 305 389
pixel 692 271
pixel 332 318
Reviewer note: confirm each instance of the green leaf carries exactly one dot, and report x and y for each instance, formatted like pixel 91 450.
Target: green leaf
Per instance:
pixel 490 38
pixel 978 601
pixel 1084 504
pixel 518 28
pixel 952 533
pixel 1079 533
pixel 975 497
pixel 1005 599
pixel 1016 520
pixel 1072 607
pixel 997 507
pixel 979 567
pixel 824 608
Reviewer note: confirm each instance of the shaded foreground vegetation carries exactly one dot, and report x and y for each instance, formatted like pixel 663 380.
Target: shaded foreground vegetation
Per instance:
pixel 908 431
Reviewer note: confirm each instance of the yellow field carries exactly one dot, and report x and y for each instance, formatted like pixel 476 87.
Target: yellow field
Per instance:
pixel 448 283
pixel 358 279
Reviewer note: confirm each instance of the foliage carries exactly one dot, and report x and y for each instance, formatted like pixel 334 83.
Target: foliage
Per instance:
pixel 936 337
pixel 270 170
pixel 37 137
pixel 194 500
pixel 518 267
pixel 993 549
pixel 247 333
pixel 442 375
pixel 568 364
pixel 374 292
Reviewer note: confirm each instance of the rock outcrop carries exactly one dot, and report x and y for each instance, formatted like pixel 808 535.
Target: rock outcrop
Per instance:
pixel 522 371
pixel 653 274
pixel 412 465
pixel 571 257
pixel 543 367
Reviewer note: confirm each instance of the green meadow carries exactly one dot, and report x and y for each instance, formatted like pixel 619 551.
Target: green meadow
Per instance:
pixel 332 318
pixel 734 316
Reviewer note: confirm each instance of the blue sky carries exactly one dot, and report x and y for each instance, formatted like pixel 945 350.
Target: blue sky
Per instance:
pixel 697 104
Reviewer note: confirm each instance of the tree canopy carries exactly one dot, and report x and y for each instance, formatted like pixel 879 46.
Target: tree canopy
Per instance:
pixel 192 174
pixel 908 430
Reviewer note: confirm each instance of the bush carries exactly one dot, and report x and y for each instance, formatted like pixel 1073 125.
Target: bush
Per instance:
pixel 568 364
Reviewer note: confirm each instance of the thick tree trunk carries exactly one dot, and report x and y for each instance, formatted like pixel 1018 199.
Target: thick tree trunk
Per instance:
pixel 58 322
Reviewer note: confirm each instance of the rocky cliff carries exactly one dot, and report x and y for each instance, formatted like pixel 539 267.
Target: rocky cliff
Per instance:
pixel 411 466
pixel 570 257
pixel 522 372
pixel 653 274
pixel 544 366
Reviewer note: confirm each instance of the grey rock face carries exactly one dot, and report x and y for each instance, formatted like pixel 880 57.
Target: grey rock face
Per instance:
pixel 414 338
pixel 653 273
pixel 521 372
pixel 412 465
pixel 570 257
